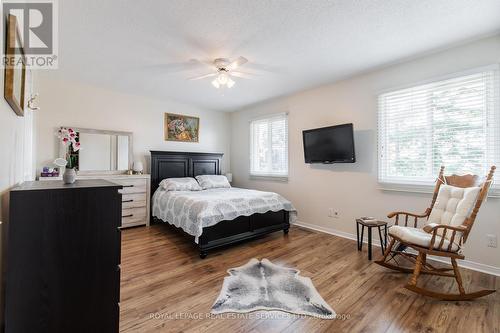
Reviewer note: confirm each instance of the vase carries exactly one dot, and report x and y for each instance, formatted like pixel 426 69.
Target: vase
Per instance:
pixel 69 176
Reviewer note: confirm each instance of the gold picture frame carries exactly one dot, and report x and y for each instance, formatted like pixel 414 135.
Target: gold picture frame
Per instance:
pixel 181 128
pixel 15 75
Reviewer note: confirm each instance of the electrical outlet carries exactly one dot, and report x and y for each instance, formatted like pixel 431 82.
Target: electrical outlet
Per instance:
pixel 492 240
pixel 333 213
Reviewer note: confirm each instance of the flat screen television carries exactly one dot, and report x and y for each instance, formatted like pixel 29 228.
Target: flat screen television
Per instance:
pixel 333 144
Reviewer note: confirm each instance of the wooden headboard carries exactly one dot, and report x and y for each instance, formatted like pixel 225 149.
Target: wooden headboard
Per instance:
pixel 168 164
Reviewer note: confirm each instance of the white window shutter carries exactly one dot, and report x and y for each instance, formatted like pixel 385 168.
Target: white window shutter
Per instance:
pixel 269 146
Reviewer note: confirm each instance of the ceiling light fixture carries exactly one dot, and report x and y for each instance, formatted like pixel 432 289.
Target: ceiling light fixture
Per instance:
pixel 223 80
pixel 225 72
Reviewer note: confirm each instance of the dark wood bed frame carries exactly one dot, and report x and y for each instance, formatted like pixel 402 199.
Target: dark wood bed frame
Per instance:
pixel 168 164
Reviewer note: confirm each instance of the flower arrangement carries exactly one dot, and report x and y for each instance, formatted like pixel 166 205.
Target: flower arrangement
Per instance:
pixel 69 138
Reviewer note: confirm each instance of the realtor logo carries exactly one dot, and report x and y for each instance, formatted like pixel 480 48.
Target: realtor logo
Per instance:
pixel 36 36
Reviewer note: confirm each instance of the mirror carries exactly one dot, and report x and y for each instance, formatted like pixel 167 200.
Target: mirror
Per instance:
pixel 103 151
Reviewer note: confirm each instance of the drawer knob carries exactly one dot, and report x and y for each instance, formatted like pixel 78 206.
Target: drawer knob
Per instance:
pixel 130 215
pixel 131 200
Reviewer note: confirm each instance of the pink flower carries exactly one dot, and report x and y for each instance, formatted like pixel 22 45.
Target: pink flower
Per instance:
pixel 76 146
pixel 69 138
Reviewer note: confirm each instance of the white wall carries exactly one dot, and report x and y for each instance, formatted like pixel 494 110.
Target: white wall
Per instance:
pixel 65 103
pixel 13 145
pixel 11 148
pixel 352 188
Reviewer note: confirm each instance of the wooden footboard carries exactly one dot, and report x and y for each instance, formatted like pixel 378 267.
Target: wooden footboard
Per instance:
pixel 242 228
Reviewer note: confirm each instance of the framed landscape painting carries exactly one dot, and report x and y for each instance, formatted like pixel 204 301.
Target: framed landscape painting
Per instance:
pixel 181 128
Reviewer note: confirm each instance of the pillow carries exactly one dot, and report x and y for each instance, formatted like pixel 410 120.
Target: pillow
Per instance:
pixel 180 184
pixel 213 181
pixel 453 205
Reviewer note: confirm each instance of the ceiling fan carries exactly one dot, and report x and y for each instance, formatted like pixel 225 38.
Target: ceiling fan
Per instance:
pixel 224 71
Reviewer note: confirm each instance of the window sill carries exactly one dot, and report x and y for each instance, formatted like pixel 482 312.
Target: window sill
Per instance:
pixel 426 189
pixel 269 177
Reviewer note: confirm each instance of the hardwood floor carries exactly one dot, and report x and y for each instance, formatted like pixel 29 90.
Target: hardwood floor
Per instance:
pixel 165 287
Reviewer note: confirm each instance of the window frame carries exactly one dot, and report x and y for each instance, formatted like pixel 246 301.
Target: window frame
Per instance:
pixel 269 176
pixel 421 186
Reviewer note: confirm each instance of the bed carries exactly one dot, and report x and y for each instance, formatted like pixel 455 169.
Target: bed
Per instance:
pixel 241 224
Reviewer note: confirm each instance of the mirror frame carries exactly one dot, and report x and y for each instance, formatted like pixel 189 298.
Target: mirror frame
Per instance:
pixel 107 132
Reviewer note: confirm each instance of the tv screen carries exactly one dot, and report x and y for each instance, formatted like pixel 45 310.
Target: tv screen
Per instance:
pixel 334 144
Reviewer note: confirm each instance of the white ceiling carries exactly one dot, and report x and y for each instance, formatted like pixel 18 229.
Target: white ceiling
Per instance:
pixel 139 46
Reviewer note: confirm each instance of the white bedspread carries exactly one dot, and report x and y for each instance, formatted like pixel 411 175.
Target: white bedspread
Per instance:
pixel 194 210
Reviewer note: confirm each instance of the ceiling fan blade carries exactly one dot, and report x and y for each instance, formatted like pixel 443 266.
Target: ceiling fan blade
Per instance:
pixel 202 76
pixel 176 67
pixel 203 63
pixel 241 75
pixel 238 62
pixel 264 68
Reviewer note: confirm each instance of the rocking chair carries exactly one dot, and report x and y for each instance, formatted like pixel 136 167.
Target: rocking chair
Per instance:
pixel 455 204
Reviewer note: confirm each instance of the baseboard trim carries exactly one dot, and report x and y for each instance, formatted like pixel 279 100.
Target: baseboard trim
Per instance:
pixel 474 266
pixel 336 232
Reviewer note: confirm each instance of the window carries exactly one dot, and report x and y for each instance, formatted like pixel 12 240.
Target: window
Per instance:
pixel 269 146
pixel 452 122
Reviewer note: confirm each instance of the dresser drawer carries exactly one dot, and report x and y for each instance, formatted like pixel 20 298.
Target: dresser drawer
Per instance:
pixel 134 200
pixel 133 216
pixel 132 185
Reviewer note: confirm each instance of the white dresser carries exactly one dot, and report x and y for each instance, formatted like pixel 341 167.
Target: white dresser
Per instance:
pixel 135 196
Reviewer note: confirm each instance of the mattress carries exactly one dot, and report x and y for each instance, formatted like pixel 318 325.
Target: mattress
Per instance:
pixel 194 210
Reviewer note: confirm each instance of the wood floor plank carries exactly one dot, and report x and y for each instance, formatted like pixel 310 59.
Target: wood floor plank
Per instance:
pixel 165 287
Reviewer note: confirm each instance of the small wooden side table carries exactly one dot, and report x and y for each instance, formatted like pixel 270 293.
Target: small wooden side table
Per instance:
pixel 380 225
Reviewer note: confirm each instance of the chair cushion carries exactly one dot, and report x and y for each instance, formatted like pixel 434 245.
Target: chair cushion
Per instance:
pixel 420 237
pixel 453 205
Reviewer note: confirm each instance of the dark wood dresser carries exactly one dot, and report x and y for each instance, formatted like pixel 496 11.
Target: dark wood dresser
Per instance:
pixel 63 257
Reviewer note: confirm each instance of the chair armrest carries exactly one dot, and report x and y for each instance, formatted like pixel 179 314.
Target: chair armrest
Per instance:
pixel 392 214
pixel 432 227
pixel 441 231
pixel 408 215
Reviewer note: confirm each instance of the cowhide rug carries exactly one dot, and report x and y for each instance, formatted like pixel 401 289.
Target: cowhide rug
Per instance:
pixel 262 285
